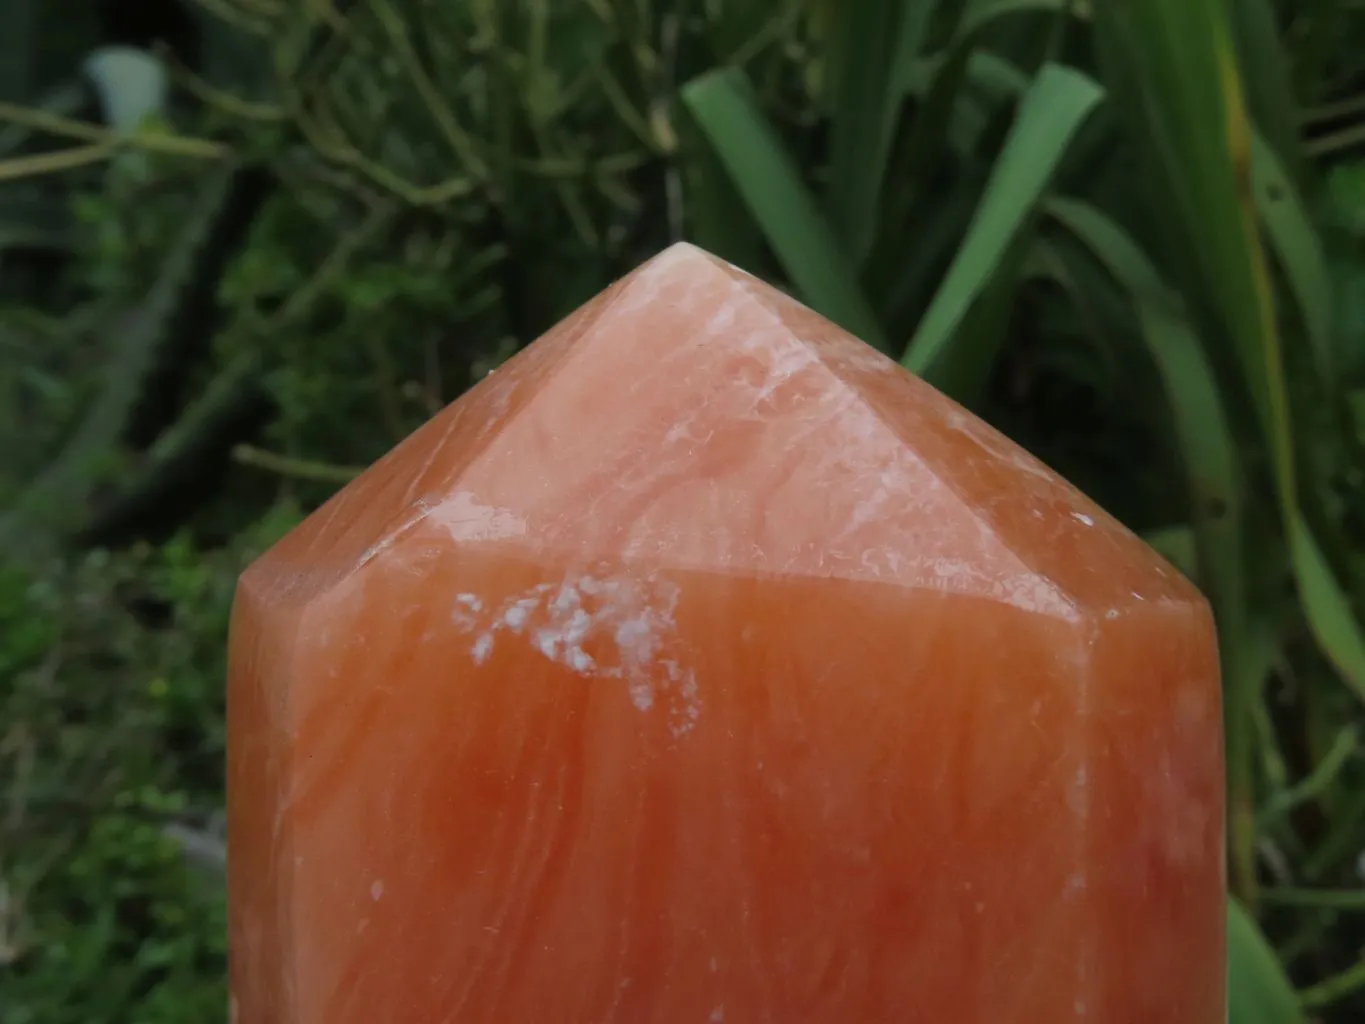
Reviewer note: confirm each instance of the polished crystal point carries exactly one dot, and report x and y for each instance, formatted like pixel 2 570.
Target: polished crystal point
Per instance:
pixel 703 665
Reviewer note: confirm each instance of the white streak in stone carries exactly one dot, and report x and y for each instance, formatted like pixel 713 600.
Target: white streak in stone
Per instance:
pixel 420 511
pixel 461 514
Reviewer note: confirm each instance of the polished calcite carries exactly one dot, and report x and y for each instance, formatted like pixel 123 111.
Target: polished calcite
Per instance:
pixel 702 665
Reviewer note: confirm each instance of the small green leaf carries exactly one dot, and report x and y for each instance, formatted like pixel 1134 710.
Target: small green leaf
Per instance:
pixel 1327 607
pixel 1258 990
pixel 1178 546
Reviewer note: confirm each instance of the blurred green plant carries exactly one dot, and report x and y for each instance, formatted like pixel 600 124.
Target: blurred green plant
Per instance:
pixel 341 217
pixel 364 182
pixel 111 754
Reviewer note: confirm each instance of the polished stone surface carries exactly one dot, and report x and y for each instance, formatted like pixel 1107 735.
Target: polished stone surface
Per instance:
pixel 702 665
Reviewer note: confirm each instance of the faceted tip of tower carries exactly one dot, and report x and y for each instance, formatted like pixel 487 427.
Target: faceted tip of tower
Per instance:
pixel 693 416
pixel 687 258
pixel 683 251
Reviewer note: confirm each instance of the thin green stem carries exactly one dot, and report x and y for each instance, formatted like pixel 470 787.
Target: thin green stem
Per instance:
pixel 1329 899
pixel 1316 782
pixel 1334 988
pixel 295 468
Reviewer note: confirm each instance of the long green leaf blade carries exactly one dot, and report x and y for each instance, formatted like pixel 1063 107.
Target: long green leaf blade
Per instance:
pixel 723 104
pixel 911 34
pixel 864 96
pixel 1053 110
pixel 1270 89
pixel 1168 67
pixel 1327 607
pixel 1182 93
pixel 717 216
pixel 1298 248
pixel 1208 447
pixel 926 130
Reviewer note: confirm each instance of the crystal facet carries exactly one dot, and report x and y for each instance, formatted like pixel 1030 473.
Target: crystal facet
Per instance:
pixel 701 664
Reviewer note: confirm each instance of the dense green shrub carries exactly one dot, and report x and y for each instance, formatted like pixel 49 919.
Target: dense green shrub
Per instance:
pixel 111 755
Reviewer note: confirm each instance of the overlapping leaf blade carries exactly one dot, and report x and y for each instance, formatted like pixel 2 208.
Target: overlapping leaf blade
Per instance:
pixel 1052 111
pixel 865 99
pixel 1181 95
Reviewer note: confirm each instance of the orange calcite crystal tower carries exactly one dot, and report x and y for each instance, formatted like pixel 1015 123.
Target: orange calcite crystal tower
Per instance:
pixel 702 665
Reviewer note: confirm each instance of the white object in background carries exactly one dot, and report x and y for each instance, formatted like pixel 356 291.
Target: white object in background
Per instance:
pixel 131 84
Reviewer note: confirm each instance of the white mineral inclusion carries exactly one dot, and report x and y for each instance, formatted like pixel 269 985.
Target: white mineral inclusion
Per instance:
pixel 376 889
pixel 483 647
pixel 468 519
pixel 630 621
pixel 547 642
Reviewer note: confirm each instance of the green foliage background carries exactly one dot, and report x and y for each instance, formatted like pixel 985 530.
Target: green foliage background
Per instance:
pixel 1131 235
